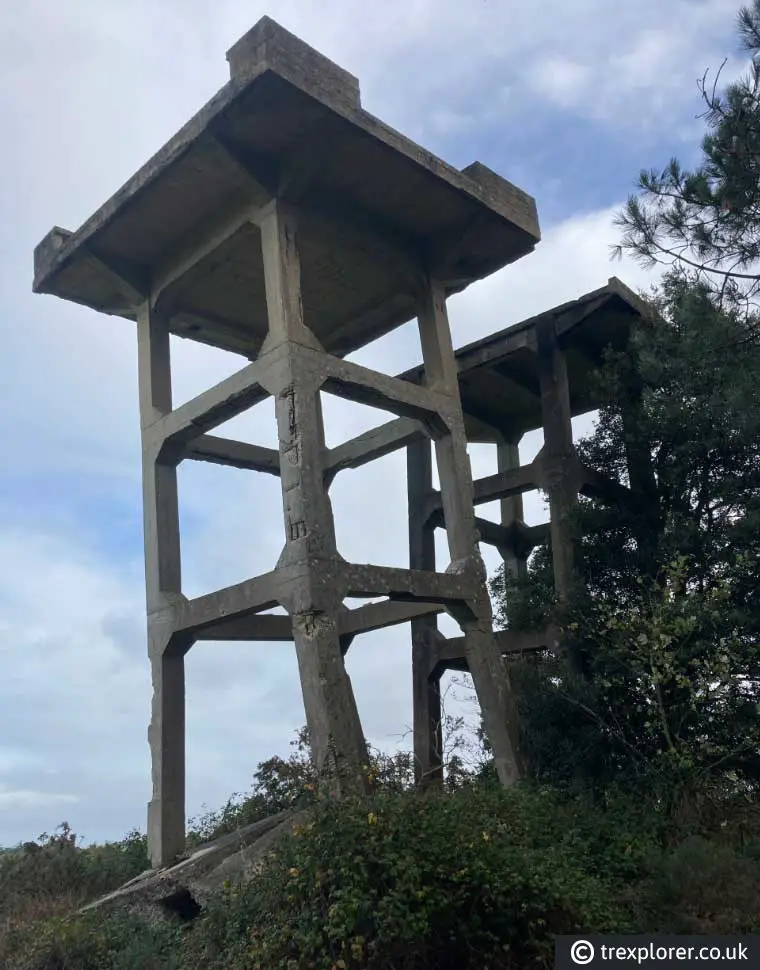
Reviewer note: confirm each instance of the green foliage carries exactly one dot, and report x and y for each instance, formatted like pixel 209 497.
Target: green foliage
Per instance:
pixel 289 783
pixel 703 886
pixel 669 617
pixel 478 878
pixel 46 879
pixel 95 942
pixel 56 864
pixel 707 220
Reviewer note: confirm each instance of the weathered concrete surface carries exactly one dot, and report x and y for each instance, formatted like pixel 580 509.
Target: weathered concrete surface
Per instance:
pixel 178 891
pixel 288 124
pixel 499 383
pixel 534 374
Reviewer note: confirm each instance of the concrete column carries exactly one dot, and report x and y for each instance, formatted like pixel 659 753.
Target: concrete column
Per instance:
pixel 643 482
pixel 484 660
pixel 508 457
pixel 560 475
pixel 559 461
pixel 337 740
pixel 426 681
pixel 166 736
pixel 163 583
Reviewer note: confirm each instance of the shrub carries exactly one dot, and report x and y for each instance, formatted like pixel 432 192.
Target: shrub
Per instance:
pixel 479 878
pixel 43 881
pixel 703 886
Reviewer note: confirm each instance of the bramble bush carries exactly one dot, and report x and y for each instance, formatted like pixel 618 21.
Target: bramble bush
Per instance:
pixel 479 877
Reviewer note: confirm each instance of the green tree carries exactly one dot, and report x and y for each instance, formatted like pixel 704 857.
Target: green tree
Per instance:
pixel 669 615
pixel 707 221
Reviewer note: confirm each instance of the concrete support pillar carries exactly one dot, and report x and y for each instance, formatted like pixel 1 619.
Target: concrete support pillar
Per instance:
pixel 485 663
pixel 163 582
pixel 559 467
pixel 426 681
pixel 643 483
pixel 515 562
pixel 335 732
pixel 560 473
pixel 166 735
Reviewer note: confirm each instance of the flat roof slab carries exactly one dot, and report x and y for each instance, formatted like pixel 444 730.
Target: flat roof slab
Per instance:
pixel 374 207
pixel 498 375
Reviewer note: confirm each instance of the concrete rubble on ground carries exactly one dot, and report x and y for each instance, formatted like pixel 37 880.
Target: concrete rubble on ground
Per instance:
pixel 182 890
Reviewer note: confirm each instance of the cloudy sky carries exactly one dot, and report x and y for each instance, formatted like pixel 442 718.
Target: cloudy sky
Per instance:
pixel 569 99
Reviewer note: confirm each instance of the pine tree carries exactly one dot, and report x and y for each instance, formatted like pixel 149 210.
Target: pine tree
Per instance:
pixel 707 221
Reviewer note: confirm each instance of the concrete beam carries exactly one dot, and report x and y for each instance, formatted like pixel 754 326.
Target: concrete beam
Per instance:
pixel 373 444
pixel 426 688
pixel 163 561
pixel 506 483
pixel 278 628
pixel 163 586
pixel 408 584
pixel 508 372
pixel 260 182
pixel 600 486
pixel 450 651
pixel 573 315
pixel 236 454
pixel 166 736
pixel 269 627
pixel 213 407
pixel 560 466
pixel 489 675
pixel 511 481
pixel 126 279
pixel 366 386
pixel 378 616
pixel 251 596
pixel 516 536
pixel 207 239
pixel 514 556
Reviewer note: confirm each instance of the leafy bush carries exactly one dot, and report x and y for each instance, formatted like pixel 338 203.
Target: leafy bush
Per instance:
pixel 475 878
pixel 42 881
pixel 479 878
pixel 703 886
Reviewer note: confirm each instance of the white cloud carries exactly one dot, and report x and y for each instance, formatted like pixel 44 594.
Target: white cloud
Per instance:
pixel 560 80
pixel 25 799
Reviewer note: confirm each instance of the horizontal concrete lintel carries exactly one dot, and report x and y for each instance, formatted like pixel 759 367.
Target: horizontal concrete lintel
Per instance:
pixel 409 585
pixel 249 597
pixel 366 386
pixel 600 486
pixel 236 454
pixel 278 628
pixel 513 481
pixel 271 627
pixel 373 444
pixel 378 616
pixel 452 652
pixel 213 407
